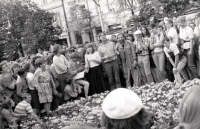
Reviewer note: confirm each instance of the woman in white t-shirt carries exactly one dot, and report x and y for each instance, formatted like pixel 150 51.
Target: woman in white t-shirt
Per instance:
pixel 94 73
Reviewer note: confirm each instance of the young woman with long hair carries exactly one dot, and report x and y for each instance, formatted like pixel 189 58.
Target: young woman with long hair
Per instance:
pixel 94 73
pixel 157 45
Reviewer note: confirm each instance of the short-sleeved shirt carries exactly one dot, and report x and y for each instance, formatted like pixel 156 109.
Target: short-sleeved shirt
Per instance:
pixel 23 108
pixel 108 49
pixel 91 59
pixel 30 80
pixel 172 34
pixel 186 34
pixel 172 48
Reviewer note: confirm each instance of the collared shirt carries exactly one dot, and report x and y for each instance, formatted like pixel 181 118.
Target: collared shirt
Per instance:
pixel 172 48
pixel 186 34
pixel 23 108
pixel 108 50
pixel 172 34
pixel 61 64
pixel 30 80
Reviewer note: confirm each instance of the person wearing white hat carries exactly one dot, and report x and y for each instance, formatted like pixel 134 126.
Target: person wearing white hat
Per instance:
pixel 142 52
pixel 124 111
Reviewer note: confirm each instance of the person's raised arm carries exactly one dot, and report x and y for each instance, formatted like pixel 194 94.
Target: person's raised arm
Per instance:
pixel 160 42
pixel 169 57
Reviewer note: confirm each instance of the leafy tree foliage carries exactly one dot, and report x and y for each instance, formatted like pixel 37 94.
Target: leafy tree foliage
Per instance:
pixel 23 26
pixel 161 8
pixel 81 19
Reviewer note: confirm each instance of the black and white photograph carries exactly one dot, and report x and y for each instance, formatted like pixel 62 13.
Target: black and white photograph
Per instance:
pixel 99 64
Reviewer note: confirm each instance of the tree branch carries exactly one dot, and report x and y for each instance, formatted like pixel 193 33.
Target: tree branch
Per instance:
pixel 96 3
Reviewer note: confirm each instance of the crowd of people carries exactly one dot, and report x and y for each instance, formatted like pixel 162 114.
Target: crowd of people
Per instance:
pixel 149 55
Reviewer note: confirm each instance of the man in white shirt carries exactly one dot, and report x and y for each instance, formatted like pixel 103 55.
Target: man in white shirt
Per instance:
pixel 171 31
pixel 187 39
pixel 62 68
pixel 179 63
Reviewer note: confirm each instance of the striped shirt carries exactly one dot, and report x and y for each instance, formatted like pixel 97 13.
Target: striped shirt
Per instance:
pixel 23 108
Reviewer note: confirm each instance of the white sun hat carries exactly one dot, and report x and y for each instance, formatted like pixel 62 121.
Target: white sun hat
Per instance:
pixel 121 103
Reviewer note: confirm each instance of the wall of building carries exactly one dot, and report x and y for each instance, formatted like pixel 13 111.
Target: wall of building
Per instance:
pixel 108 10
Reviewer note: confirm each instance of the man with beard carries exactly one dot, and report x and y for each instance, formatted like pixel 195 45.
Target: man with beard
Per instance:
pixel 127 57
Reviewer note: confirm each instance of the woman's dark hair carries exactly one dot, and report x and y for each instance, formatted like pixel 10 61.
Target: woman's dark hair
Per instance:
pixel 147 31
pixel 34 59
pixel 122 35
pixel 152 26
pixel 63 52
pixel 2 64
pixel 39 62
pixel 56 47
pixel 49 59
pixel 167 39
pixel 6 105
pixel 138 121
pixel 14 65
pixel 27 66
pixel 88 46
pixel 21 71
pixel 71 50
pixel 130 35
pixel 99 35
pixel 160 27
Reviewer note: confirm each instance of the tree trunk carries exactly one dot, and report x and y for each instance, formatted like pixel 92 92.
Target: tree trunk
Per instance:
pixel 92 37
pixel 132 12
pixel 20 48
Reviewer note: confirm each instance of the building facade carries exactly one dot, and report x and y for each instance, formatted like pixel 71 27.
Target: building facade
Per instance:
pixel 112 16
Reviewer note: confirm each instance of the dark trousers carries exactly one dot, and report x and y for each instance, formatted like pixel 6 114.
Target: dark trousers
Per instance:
pixel 35 103
pixel 191 68
pixel 112 71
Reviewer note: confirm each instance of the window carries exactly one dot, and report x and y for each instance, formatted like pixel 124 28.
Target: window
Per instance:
pixel 44 1
pixel 58 19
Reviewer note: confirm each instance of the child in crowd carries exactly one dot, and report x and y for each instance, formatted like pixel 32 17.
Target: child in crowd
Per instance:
pixel 7 112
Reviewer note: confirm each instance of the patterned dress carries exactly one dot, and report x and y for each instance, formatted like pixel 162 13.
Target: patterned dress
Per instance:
pixel 44 83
